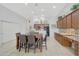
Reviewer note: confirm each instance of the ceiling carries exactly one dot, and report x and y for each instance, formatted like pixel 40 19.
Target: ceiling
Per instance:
pixel 49 11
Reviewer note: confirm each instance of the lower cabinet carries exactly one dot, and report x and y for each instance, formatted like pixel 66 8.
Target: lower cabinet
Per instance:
pixel 67 42
pixel 64 41
pixel 76 48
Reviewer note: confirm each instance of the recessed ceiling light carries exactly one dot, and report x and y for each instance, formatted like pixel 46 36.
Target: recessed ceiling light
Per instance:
pixel 54 6
pixel 42 10
pixel 36 4
pixel 26 4
pixel 32 12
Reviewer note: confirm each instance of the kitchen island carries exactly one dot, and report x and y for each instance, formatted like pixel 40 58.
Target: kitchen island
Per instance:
pixel 68 41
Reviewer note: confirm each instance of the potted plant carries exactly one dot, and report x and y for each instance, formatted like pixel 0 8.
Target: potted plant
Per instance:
pixel 75 6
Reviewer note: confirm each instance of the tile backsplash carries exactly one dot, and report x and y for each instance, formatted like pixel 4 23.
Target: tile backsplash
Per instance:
pixel 69 31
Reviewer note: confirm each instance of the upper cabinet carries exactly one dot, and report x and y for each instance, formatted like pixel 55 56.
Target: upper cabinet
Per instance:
pixel 78 21
pixel 69 21
pixel 74 20
pixel 77 18
pixel 64 23
pixel 59 24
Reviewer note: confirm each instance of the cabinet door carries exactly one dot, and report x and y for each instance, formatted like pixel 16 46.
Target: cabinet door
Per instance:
pixel 74 20
pixel 67 42
pixel 60 23
pixel 78 21
pixel 69 21
pixel 64 23
pixel 76 45
pixel 77 18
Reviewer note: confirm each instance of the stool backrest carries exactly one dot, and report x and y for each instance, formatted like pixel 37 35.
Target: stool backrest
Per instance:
pixel 31 39
pixel 22 38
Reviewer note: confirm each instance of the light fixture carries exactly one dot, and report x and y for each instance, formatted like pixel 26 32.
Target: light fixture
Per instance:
pixel 32 12
pixel 26 4
pixel 42 10
pixel 54 6
pixel 36 4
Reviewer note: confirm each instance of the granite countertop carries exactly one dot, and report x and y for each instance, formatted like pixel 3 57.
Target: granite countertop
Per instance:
pixel 73 37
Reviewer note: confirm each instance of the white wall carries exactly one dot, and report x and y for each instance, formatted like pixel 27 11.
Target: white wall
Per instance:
pixel 0 33
pixel 10 23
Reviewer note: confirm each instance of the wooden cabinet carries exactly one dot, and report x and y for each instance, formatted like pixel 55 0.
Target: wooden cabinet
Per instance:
pixel 77 18
pixel 64 23
pixel 78 21
pixel 76 48
pixel 74 20
pixel 69 21
pixel 59 38
pixel 59 24
pixel 67 42
pixel 64 41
